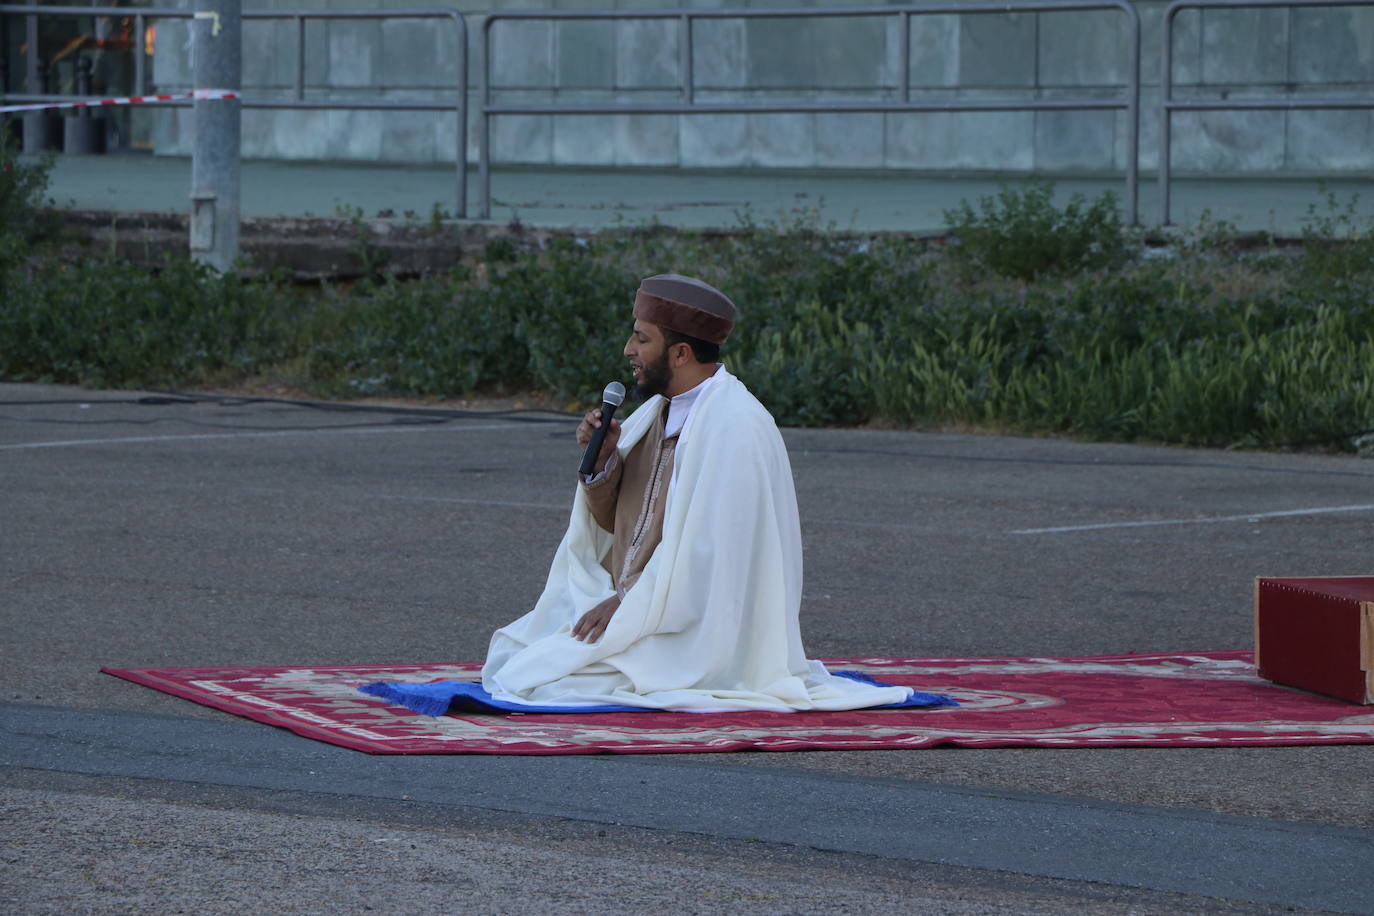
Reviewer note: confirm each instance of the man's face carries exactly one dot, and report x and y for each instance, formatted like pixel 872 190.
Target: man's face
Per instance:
pixel 647 352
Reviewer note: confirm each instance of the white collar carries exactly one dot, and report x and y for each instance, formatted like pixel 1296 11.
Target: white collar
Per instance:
pixel 682 406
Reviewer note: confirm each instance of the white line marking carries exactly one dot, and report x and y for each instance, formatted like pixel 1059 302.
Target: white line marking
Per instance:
pixel 1216 519
pixel 264 435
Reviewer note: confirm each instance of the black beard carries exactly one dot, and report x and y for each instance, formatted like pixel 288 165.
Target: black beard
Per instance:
pixel 657 378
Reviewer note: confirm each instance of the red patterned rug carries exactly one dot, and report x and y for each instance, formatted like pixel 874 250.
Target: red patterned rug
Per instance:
pixel 1197 699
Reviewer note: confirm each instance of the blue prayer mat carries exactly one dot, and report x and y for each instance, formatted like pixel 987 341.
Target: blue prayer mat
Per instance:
pixel 442 697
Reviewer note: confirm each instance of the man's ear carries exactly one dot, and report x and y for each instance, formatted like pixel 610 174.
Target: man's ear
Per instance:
pixel 684 356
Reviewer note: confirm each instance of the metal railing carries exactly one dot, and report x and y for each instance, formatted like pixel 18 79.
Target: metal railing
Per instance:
pixel 688 104
pixel 1168 104
pixel 141 15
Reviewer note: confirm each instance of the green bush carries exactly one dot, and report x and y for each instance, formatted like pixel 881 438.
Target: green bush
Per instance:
pixel 572 314
pixel 107 324
pixel 1337 252
pixel 1208 348
pixel 812 370
pixel 1023 235
pixel 425 337
pixel 557 323
pixel 22 186
pixel 1146 364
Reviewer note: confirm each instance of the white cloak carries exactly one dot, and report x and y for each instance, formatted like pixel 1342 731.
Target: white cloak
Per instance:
pixel 712 622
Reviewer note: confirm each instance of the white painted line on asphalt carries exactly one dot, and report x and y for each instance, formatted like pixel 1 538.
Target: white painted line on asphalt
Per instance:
pixel 1213 520
pixel 264 435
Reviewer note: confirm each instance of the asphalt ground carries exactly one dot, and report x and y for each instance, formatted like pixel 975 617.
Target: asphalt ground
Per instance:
pixel 883 201
pixel 229 532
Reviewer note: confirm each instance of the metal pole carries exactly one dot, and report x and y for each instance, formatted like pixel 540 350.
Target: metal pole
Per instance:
pixel 1133 124
pixel 300 57
pixel 140 52
pixel 484 142
pixel 686 51
pixel 35 122
pixel 905 20
pixel 1166 85
pixel 461 140
pixel 217 56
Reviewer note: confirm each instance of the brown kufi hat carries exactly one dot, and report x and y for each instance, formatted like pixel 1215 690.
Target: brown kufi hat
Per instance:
pixel 686 305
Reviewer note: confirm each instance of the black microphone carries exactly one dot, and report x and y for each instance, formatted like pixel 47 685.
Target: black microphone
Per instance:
pixel 611 398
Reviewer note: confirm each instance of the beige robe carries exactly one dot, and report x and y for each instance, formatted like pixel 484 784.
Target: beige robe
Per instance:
pixel 629 501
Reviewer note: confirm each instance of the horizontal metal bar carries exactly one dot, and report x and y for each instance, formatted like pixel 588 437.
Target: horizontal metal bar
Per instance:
pixel 55 97
pixel 357 104
pixel 154 13
pixel 1266 104
pixel 1256 4
pixel 817 107
pixel 308 104
pixel 430 13
pixel 927 9
pixel 17 9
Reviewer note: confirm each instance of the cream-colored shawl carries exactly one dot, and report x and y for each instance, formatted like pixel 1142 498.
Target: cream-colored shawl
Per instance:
pixel 711 624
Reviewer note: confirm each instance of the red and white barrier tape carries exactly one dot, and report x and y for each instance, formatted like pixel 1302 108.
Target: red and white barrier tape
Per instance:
pixel 198 95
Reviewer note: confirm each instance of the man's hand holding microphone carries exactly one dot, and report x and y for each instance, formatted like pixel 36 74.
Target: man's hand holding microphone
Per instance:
pixel 599 431
pixel 598 434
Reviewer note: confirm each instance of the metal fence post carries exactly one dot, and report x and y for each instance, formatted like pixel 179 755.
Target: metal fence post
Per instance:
pixel 299 33
pixel 1166 87
pixel 35 122
pixel 685 52
pixel 140 52
pixel 904 81
pixel 484 141
pixel 1133 120
pixel 217 56
pixel 461 114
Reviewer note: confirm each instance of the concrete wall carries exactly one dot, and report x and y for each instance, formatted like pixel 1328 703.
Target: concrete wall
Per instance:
pixel 1312 51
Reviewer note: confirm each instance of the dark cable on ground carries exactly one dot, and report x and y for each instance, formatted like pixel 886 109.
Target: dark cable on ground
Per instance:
pixel 399 415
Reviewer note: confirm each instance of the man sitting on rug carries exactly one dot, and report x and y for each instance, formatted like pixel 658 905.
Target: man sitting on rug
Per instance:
pixel 678 582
